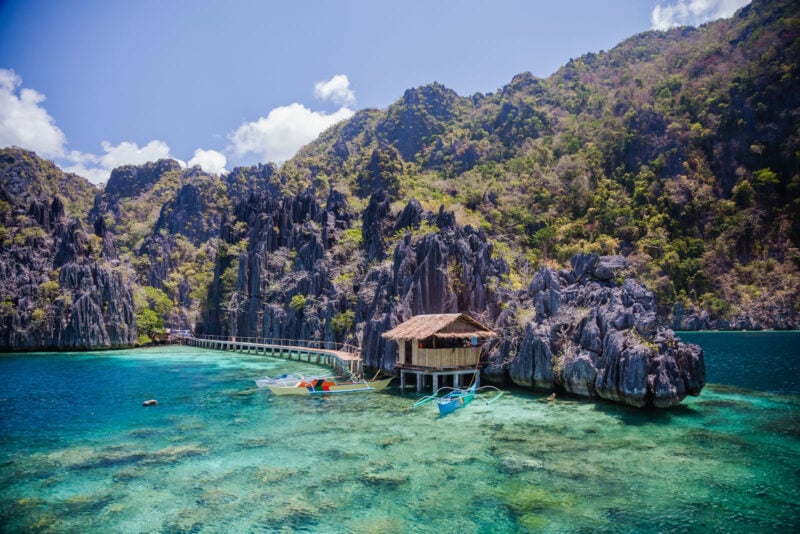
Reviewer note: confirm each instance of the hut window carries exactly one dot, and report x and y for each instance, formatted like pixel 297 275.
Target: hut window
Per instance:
pixel 450 342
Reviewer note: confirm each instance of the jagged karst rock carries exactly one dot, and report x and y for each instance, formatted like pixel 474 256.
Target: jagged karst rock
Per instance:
pixel 430 274
pixel 580 374
pixel 93 307
pixel 419 114
pixel 185 215
pixel 375 225
pixel 532 365
pixel 426 289
pixel 606 267
pixel 594 338
pixel 60 287
pixel 412 216
pixel 274 277
pixel 131 180
pixel 338 219
pixel 282 288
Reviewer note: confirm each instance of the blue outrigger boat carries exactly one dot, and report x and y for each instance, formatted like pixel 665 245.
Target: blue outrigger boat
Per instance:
pixel 456 398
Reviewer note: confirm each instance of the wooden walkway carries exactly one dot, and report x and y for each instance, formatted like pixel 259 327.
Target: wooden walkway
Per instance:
pixel 342 362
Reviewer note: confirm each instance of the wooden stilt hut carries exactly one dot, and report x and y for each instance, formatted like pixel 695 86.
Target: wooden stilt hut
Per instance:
pixel 447 344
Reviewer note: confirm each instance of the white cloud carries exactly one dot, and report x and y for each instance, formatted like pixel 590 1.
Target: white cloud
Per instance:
pixel 85 165
pixel 336 90
pixel 279 135
pixel 97 169
pixel 27 124
pixel 23 122
pixel 128 153
pixel 210 161
pixel 692 12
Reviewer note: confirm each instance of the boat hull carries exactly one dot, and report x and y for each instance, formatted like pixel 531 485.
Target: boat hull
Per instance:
pixel 351 387
pixel 287 380
pixel 455 400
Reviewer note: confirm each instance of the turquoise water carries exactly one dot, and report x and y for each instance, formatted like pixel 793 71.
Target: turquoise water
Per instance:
pixel 763 361
pixel 78 453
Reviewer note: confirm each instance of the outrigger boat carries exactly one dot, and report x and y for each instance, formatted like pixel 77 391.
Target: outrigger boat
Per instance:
pixel 324 386
pixel 287 380
pixel 456 398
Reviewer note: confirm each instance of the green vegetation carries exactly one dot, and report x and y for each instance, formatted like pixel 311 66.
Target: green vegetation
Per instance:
pixel 40 178
pixel 152 308
pixel 343 322
pixel 679 149
pixel 298 302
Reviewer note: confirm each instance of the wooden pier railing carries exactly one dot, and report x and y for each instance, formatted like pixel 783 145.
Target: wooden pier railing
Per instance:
pixel 343 359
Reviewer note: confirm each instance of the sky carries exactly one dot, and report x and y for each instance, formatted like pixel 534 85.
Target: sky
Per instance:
pixel 95 84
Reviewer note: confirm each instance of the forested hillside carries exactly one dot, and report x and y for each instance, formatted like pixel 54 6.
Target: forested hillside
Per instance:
pixel 678 150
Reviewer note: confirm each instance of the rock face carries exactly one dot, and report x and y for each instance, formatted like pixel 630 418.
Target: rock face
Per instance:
pixel 298 280
pixel 759 317
pixel 448 271
pixel 102 314
pixel 88 305
pixel 60 282
pixel 595 338
pixel 284 272
pixel 270 279
pixel 291 267
pixel 130 180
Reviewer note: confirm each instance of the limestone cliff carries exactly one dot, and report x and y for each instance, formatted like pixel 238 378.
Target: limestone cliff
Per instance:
pixel 61 283
pixel 594 333
pixel 287 271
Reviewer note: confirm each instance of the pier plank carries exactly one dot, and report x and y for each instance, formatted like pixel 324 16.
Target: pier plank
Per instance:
pixel 339 360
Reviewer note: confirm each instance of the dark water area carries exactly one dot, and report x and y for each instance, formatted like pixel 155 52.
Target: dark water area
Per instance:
pixel 761 361
pixel 79 453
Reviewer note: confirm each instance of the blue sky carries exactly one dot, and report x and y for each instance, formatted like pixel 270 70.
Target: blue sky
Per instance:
pixel 97 84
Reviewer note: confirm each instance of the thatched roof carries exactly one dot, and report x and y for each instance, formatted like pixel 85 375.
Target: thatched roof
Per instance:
pixel 443 325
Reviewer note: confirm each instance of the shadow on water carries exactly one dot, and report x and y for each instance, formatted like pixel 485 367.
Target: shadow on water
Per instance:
pixel 735 390
pixel 633 416
pixel 628 415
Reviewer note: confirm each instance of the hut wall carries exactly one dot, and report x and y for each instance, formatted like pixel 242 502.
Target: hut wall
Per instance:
pixel 442 358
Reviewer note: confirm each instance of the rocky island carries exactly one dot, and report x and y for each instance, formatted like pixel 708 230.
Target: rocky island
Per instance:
pixel 649 187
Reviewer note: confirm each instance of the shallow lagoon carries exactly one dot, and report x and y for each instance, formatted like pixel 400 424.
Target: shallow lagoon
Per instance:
pixel 78 452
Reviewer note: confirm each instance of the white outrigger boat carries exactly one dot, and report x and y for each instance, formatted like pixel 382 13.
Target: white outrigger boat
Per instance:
pixel 287 380
pixel 324 386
